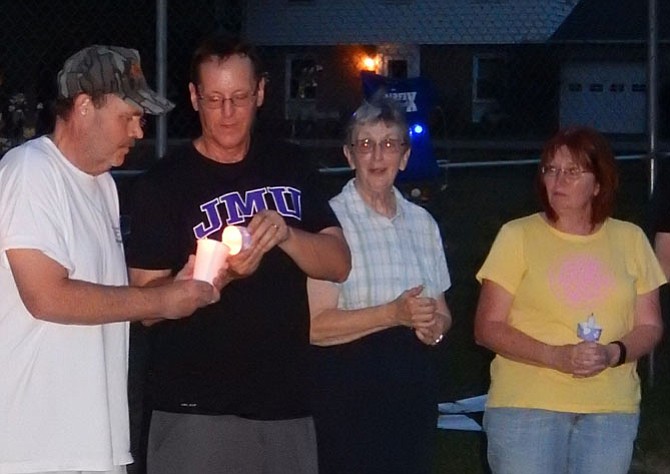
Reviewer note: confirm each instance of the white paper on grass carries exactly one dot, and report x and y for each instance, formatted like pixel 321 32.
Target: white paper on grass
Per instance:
pixel 466 405
pixel 457 422
pixel 452 417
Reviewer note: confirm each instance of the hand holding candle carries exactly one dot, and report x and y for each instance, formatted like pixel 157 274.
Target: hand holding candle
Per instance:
pixel 589 330
pixel 210 256
pixel 236 238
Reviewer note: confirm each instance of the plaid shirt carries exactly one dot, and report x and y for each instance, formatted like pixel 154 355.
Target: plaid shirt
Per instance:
pixel 388 256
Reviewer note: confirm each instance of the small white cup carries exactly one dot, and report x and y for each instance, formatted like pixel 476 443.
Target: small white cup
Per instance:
pixel 588 332
pixel 210 256
pixel 237 238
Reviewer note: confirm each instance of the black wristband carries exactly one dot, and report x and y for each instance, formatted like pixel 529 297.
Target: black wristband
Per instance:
pixel 622 353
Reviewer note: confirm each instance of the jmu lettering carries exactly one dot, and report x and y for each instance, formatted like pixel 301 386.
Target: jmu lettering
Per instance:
pixel 234 208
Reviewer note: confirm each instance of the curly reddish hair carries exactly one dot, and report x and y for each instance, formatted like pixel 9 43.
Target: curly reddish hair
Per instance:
pixel 590 150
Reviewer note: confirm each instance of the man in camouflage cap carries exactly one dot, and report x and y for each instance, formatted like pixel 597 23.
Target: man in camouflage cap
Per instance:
pixel 65 300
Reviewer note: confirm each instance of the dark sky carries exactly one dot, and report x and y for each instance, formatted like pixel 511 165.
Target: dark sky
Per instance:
pixel 613 20
pixel 36 36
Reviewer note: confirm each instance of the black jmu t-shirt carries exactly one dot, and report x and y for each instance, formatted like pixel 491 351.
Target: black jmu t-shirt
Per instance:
pixel 247 354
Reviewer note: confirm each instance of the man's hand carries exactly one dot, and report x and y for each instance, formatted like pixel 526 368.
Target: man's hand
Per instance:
pixel 182 297
pixel 220 280
pixel 268 230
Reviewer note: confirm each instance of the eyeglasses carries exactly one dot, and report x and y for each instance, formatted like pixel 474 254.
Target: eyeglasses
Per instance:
pixel 388 146
pixel 237 100
pixel 571 174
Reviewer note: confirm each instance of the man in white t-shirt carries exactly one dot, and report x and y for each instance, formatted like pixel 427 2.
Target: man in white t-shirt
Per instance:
pixel 64 301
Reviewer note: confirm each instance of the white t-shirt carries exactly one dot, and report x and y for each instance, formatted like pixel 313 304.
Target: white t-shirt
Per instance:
pixel 63 401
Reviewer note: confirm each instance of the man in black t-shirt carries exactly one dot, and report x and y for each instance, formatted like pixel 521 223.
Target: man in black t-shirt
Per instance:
pixel 228 390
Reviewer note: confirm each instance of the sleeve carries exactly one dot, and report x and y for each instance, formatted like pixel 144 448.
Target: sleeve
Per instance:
pixel 648 272
pixel 32 215
pixel 505 263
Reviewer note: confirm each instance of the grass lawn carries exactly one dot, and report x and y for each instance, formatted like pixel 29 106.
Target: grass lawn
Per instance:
pixel 475 203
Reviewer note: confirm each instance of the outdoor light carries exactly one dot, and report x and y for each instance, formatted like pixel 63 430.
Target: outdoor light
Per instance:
pixel 416 129
pixel 370 62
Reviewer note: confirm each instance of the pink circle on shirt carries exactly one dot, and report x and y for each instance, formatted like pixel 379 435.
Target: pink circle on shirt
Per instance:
pixel 581 279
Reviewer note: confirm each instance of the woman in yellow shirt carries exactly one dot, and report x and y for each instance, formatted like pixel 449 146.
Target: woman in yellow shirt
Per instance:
pixel 561 401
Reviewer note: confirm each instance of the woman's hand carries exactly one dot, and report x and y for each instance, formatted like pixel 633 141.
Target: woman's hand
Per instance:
pixel 432 335
pixel 412 310
pixel 585 359
pixel 429 317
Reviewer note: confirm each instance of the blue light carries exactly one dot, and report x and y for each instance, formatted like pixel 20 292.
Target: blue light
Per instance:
pixel 417 128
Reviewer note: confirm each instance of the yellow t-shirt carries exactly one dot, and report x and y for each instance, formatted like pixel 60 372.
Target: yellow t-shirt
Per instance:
pixel 558 280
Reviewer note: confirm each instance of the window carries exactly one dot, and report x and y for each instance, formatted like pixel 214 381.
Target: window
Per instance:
pixel 596 87
pixel 489 88
pixel 488 75
pixel 303 79
pixel 397 68
pixel 575 87
pixel 616 87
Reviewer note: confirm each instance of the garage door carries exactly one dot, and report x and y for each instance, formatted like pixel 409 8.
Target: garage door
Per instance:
pixel 608 96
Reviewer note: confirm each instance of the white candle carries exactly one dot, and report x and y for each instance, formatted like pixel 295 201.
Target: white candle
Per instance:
pixel 210 256
pixel 236 238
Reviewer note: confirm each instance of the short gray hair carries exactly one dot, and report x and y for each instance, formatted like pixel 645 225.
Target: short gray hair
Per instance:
pixel 378 108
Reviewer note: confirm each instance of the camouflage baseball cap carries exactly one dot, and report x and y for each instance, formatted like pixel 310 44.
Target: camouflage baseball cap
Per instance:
pixel 110 70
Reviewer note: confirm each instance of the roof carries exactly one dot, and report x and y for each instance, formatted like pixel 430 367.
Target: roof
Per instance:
pixel 327 22
pixel 613 21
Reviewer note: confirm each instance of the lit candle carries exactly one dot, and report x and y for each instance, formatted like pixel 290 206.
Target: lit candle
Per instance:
pixel 236 238
pixel 210 256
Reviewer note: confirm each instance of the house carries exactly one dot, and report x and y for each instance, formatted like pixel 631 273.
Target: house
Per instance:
pixel 475 52
pixel 499 67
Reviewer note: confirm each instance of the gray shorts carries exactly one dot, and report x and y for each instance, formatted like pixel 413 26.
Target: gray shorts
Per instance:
pixel 201 444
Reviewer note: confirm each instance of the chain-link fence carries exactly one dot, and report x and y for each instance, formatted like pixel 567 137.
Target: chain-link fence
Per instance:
pixel 504 74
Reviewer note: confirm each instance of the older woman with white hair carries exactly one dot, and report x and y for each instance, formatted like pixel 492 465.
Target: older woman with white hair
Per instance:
pixel 375 397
